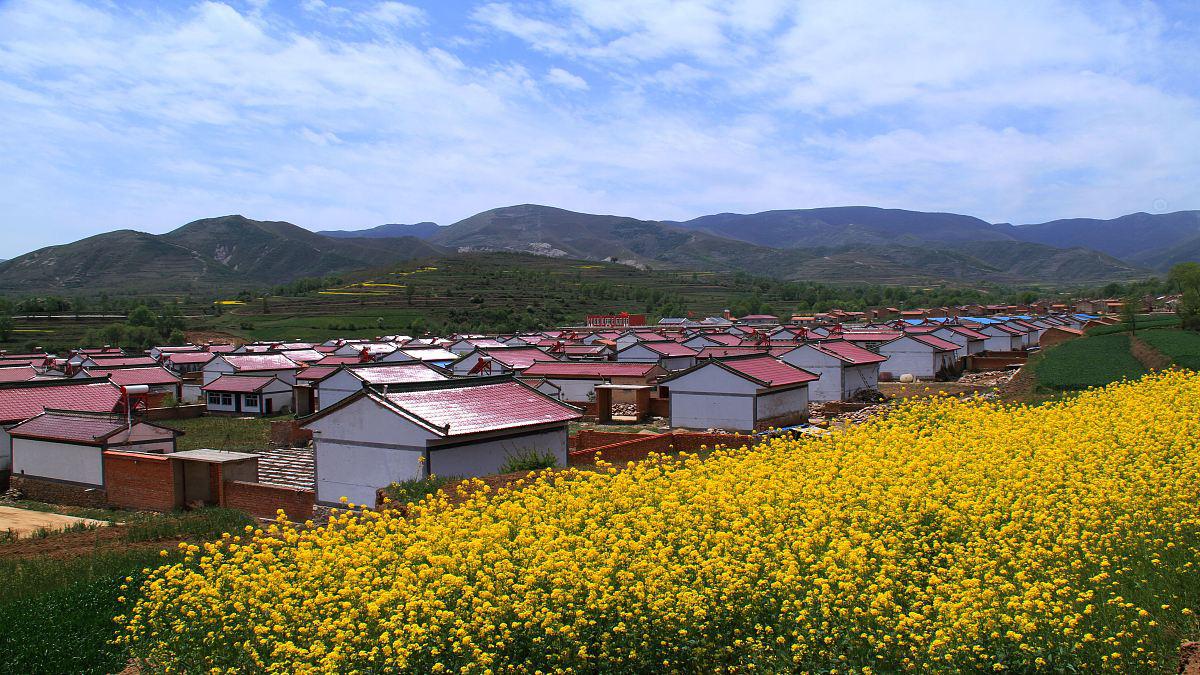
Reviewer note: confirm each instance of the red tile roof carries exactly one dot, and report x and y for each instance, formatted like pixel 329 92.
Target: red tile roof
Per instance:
pixel 936 342
pixel 669 348
pixel 127 377
pixel 968 332
pixel 189 357
pixel 869 336
pixel 429 353
pixel 517 358
pixel 338 360
pixel 769 370
pixel 259 362
pixel 238 384
pixel 848 352
pixel 316 373
pixel 587 369
pixel 486 407
pixel 20 401
pixel 398 373
pixel 104 362
pixel 87 429
pixel 719 352
pixel 17 374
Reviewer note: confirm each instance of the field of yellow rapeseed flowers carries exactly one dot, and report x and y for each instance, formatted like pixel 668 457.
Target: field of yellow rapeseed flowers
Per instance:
pixel 946 537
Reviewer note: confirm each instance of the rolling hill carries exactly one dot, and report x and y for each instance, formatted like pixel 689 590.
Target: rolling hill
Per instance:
pixel 208 254
pixel 1142 238
pixel 848 226
pixel 844 244
pixel 423 230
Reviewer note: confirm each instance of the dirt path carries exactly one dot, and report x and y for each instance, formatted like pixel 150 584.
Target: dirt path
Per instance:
pixel 199 337
pixel 1149 357
pixel 23 522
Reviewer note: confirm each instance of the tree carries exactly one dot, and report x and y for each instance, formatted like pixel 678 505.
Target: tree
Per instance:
pixel 141 316
pixel 1129 309
pixel 7 326
pixel 1189 310
pixel 1184 276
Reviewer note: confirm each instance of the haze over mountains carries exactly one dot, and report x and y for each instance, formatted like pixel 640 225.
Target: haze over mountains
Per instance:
pixel 839 244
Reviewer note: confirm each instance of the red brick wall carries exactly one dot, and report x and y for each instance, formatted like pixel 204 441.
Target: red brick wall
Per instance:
pixel 264 501
pixel 639 447
pixel 587 438
pixel 144 482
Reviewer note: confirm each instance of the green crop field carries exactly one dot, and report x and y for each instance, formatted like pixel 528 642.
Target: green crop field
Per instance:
pixel 1093 361
pixel 1182 347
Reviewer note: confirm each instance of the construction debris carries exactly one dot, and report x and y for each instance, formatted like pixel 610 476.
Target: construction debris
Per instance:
pixel 987 378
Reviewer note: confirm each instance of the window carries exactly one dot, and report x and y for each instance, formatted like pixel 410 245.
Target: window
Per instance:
pixel 250 401
pixel 218 398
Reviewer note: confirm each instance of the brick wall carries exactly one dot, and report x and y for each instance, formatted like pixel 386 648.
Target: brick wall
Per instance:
pixel 264 501
pixel 288 434
pixel 587 438
pixel 178 412
pixel 144 482
pixel 642 445
pixel 54 492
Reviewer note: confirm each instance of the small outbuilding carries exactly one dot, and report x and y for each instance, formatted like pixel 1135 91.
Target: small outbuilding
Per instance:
pixel 248 395
pixel 741 393
pixel 845 369
pixel 451 428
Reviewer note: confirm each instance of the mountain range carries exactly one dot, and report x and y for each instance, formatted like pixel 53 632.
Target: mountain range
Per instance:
pixel 839 244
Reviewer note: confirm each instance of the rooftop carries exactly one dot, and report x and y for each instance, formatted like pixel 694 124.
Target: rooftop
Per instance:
pixel 589 369
pixel 20 401
pixel 489 406
pixel 239 384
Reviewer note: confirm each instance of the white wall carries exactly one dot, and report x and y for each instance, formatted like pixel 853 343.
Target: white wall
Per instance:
pixel 5 450
pixel 829 368
pixel 486 458
pixel 363 447
pixel 59 461
pixel 337 387
pixel 782 408
pixel 857 378
pixel 907 356
pixel 637 354
pixel 712 398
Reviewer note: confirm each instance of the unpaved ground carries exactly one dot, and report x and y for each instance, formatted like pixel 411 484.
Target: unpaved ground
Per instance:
pixel 1149 357
pixel 23 522
pixel 199 337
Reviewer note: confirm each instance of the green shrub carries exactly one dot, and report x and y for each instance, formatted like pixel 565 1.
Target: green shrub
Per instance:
pixel 412 491
pixel 528 460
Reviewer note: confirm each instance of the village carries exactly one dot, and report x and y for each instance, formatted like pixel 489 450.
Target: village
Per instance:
pixel 352 417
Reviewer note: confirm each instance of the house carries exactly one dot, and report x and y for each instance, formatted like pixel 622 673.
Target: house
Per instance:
pixel 21 400
pixel 451 428
pixel 23 373
pixel 969 340
pixel 1057 335
pixel 348 380
pixel 498 360
pixel 1001 338
pixel 577 380
pixel 94 361
pixel 185 362
pixel 371 350
pixel 163 383
pixel 702 340
pixel 667 353
pixel 261 365
pixel 434 356
pixel 743 393
pixel 922 356
pixel 248 395
pixel 759 320
pixel 845 369
pixel 470 344
pixel 872 339
pixel 61 446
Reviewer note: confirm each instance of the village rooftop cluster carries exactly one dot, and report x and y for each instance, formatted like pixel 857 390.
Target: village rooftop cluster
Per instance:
pixel 92 426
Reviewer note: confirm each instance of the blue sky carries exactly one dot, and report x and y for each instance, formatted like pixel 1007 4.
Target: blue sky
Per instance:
pixel 352 113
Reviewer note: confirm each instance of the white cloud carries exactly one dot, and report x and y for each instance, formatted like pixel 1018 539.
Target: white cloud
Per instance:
pixel 567 80
pixel 1009 112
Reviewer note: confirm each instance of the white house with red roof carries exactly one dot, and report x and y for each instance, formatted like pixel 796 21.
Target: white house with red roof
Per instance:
pixel 351 379
pixel 68 446
pixel 969 340
pixel 669 354
pixel 434 356
pixel 250 395
pixel 186 362
pixel 21 400
pixel 576 380
pixel 259 365
pixel 1002 338
pixel 485 361
pixel 451 428
pixel 845 369
pixel 740 393
pixel 161 382
pixel 469 344
pixel 922 356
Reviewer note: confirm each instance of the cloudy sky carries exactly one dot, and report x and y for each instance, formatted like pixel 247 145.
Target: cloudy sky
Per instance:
pixel 353 113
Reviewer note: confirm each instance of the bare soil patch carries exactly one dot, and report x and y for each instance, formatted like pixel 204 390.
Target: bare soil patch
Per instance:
pixel 1148 356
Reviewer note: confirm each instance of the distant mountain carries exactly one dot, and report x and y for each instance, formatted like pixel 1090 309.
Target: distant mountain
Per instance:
pixel 1143 238
pixel 854 244
pixel 848 226
pixel 423 230
pixel 210 253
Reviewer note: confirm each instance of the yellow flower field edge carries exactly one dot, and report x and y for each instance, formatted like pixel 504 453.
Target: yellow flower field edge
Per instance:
pixel 948 537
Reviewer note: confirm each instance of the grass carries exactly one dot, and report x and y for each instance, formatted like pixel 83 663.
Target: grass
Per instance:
pixel 1182 347
pixel 1142 322
pixel 225 433
pixel 56 613
pixel 411 491
pixel 528 460
pixel 1093 361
